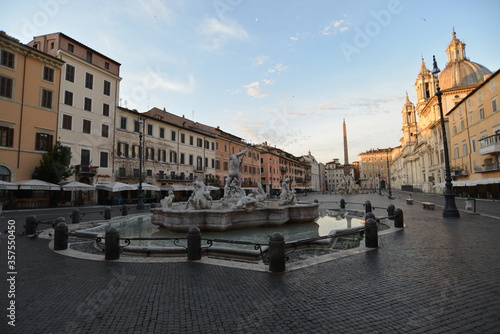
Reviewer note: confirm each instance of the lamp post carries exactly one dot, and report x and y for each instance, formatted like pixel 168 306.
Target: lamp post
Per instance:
pixel 140 195
pixel 389 176
pixel 450 209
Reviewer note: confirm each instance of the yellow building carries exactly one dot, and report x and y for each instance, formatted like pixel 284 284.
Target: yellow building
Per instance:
pixel 29 95
pixel 374 168
pixel 475 141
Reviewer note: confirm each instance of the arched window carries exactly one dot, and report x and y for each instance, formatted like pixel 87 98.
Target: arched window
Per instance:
pixel 4 174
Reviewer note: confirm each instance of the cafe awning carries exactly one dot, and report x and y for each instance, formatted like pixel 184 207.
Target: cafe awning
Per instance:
pixel 73 186
pixel 115 186
pixel 4 185
pixel 37 185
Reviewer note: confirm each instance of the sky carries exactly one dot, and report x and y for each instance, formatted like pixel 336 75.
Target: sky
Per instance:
pixel 283 72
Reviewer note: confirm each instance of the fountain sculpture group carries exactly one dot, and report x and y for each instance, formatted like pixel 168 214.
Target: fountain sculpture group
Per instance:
pixel 236 209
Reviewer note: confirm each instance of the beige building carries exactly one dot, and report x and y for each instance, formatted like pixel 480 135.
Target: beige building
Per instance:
pixel 475 141
pixel 419 164
pixel 374 169
pixel 29 95
pixel 89 95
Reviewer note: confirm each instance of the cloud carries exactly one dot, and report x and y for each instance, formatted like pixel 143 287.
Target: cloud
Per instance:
pixel 278 68
pixel 253 89
pixel 336 27
pixel 260 60
pixel 268 81
pixel 217 34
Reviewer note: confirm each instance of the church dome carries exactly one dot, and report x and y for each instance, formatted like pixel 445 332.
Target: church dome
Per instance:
pixel 459 70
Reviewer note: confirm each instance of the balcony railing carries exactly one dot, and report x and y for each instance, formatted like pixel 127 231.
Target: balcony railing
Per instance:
pixel 84 169
pixel 488 167
pixel 490 144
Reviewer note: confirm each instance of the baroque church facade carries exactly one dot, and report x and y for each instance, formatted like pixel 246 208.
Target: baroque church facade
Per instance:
pixel 419 162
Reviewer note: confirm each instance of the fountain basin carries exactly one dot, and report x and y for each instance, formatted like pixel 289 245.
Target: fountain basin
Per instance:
pixel 179 220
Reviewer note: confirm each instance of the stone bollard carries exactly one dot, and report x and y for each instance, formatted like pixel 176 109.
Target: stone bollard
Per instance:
pixel 107 213
pixel 60 234
pixel 75 216
pixel 371 233
pixel 124 210
pixel 368 206
pixel 369 215
pixel 194 244
pixel 112 244
pixel 31 225
pixel 277 253
pixel 398 218
pixel 390 211
pixel 342 203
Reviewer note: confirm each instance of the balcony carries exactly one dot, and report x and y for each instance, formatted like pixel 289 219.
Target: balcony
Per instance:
pixel 85 169
pixel 490 167
pixel 490 144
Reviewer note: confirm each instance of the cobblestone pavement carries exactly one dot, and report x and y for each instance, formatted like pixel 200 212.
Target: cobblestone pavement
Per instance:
pixel 435 276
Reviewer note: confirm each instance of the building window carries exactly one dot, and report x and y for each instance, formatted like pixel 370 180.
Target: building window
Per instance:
pixel 161 174
pixel 162 132
pixel 462 125
pixel 68 98
pixel 107 88
pixel 48 74
pixel 480 114
pixel 7 59
pixel 70 73
pixel 6 85
pixel 43 141
pixel 106 65
pixel 199 142
pixel 494 106
pixel 207 144
pixel 454 129
pixel 149 172
pixel 105 109
pixel 135 172
pixel 137 126
pixel 492 86
pixel 103 161
pixel 123 123
pixel 480 96
pixel 173 157
pixel 191 140
pixel 191 160
pixel 150 129
pixel 457 152
pixel 87 126
pixel 464 149
pixel 136 151
pixel 183 158
pixel 6 136
pixel 172 135
pixel 473 144
pixel 122 150
pixel 87 104
pixel 46 98
pixel 183 138
pixel 162 155
pixel 105 130
pixel 89 80
pixel 67 122
pixel 85 157
pixel 89 57
pixel 122 172
pixel 150 153
pixel 71 48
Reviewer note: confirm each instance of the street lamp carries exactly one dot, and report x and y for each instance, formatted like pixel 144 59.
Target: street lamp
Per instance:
pixel 389 175
pixel 450 209
pixel 140 195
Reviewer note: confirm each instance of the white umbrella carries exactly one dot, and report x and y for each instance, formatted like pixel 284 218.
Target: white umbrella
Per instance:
pixel 72 186
pixel 37 185
pixel 4 185
pixel 147 186
pixel 115 186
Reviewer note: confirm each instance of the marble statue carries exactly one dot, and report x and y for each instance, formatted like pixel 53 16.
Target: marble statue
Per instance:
pixel 287 196
pixel 232 188
pixel 200 198
pixel 168 200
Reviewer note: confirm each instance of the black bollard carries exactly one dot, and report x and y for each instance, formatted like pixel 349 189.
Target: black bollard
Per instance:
pixel 342 203
pixel 369 215
pixel 60 234
pixel 398 218
pixel 390 211
pixel 107 213
pixel 194 244
pixel 31 225
pixel 112 244
pixel 368 206
pixel 371 233
pixel 124 210
pixel 76 216
pixel 277 253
